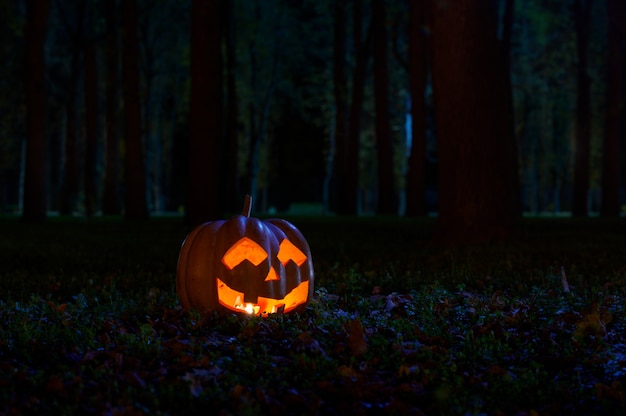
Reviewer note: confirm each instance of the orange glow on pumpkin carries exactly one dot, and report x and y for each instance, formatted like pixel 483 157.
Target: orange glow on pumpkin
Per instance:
pixel 247 249
pixel 244 249
pixel 290 252
pixel 212 273
pixel 232 299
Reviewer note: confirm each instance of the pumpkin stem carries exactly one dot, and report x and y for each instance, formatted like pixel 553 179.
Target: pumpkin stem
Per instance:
pixel 247 206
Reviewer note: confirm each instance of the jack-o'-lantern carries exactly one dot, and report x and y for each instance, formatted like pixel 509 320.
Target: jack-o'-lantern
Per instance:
pixel 245 265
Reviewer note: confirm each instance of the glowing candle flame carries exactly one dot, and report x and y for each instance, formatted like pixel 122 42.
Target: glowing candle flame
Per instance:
pixel 247 307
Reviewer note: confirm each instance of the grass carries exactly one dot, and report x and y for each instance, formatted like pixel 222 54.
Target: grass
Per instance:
pixel 91 324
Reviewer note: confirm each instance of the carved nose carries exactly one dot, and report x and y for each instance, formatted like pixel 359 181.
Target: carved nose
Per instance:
pixel 272 275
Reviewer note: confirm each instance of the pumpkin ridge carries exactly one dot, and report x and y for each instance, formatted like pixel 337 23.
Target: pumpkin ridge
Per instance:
pixel 183 258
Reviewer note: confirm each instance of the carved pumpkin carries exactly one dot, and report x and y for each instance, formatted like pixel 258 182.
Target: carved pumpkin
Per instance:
pixel 245 265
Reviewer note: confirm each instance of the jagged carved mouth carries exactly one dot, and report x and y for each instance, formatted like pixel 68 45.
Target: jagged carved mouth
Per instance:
pixel 233 300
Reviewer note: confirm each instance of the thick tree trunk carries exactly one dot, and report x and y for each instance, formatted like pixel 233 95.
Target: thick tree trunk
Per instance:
pixel 203 182
pixel 35 172
pixel 232 189
pixel 475 192
pixel 615 105
pixel 340 89
pixel 418 67
pixel 259 110
pixel 583 112
pixel 134 167
pixel 111 197
pixel 387 198
pixel 71 174
pixel 509 161
pixel 359 74
pixel 91 127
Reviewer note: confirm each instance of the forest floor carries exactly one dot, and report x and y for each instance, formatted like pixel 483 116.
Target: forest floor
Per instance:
pixel 90 323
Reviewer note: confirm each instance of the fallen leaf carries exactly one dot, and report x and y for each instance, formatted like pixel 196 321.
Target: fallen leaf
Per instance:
pixel 591 325
pixel 356 339
pixel 347 372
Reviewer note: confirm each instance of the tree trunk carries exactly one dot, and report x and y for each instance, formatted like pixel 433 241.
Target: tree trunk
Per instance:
pixel 91 127
pixel 70 171
pixel 509 160
pixel 35 172
pixel 387 198
pixel 134 166
pixel 71 174
pixel 475 192
pixel 340 89
pixel 111 197
pixel 615 99
pixel 363 51
pixel 232 189
pixel 583 112
pixel 203 182
pixel 152 126
pixel 418 67
pixel 259 111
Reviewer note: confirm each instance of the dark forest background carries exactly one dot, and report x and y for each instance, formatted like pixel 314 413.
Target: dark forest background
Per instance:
pixel 478 111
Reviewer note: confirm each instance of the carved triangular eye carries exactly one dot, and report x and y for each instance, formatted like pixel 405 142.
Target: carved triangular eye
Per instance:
pixel 272 275
pixel 244 249
pixel 290 252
